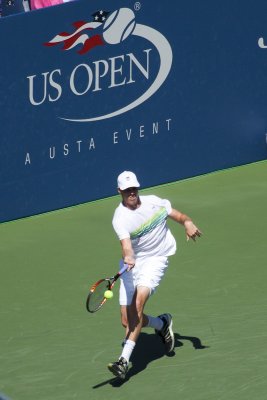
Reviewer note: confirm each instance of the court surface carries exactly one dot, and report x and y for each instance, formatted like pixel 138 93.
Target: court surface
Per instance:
pixel 52 349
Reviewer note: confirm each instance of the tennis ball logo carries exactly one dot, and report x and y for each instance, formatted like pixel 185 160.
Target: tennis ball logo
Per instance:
pixel 119 25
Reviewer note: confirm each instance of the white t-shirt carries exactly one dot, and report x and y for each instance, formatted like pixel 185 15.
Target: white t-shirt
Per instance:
pixel 146 227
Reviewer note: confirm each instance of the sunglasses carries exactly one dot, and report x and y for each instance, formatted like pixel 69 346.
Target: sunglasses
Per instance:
pixel 131 189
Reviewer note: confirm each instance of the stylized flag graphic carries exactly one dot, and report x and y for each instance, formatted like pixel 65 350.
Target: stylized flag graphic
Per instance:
pixel 79 37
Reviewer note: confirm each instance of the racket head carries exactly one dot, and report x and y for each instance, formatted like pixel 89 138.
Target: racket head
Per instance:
pixel 96 298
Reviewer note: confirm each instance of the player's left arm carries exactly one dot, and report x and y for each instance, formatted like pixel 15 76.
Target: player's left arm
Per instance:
pixel 192 231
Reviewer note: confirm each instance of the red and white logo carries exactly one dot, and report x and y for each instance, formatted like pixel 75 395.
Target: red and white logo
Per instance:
pixel 109 29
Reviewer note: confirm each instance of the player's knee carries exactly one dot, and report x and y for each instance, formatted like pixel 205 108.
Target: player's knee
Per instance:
pixel 142 296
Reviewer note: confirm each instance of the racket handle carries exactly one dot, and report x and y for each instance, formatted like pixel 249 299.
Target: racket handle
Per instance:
pixel 123 267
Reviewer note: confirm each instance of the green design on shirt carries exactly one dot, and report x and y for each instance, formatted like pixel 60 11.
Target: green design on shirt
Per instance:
pixel 148 226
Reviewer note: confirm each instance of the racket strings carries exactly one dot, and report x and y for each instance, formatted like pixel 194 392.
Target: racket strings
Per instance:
pixel 96 297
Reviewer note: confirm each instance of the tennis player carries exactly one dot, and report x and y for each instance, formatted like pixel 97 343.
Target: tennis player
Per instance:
pixel 147 242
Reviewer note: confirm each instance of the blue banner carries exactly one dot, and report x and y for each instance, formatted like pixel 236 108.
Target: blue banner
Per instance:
pixel 89 89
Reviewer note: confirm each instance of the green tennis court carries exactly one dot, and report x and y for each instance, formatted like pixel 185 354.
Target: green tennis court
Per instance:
pixel 52 349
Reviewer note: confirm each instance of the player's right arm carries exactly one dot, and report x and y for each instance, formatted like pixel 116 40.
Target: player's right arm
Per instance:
pixel 127 252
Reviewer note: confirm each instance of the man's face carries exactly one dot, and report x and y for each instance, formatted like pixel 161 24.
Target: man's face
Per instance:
pixel 130 198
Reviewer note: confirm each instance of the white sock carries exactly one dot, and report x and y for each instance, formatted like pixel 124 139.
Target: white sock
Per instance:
pixel 154 322
pixel 128 349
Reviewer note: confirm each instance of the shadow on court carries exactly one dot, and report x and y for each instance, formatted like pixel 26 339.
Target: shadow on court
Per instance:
pixel 150 348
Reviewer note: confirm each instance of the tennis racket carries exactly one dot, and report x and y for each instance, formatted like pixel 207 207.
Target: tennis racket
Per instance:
pixel 96 298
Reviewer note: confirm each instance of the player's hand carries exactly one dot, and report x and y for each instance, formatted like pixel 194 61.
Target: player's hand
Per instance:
pixel 130 261
pixel 192 231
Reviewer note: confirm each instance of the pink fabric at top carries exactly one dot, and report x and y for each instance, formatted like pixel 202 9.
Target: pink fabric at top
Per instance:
pixel 35 4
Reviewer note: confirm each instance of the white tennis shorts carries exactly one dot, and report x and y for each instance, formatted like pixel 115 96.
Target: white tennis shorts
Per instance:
pixel 147 272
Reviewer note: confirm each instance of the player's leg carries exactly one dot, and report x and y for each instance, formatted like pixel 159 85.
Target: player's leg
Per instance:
pixel 135 316
pixel 151 276
pixel 124 319
pixel 127 290
pixel 148 273
pixel 136 287
pixel 134 320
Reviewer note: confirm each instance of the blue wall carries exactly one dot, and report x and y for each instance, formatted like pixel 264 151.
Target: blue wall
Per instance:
pixel 208 112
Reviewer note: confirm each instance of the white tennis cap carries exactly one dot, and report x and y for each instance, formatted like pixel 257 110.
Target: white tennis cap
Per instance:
pixel 126 180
